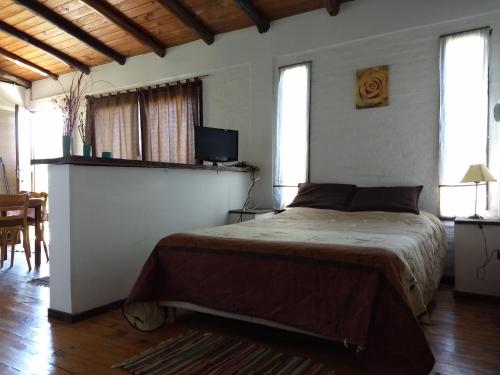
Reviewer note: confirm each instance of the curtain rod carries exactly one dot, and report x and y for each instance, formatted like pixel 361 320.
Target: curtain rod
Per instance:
pixel 468 31
pixel 162 84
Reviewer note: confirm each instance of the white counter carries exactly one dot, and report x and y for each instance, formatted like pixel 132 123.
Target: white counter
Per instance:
pixel 106 220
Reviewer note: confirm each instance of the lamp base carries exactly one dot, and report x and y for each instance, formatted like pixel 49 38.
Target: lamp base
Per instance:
pixel 475 216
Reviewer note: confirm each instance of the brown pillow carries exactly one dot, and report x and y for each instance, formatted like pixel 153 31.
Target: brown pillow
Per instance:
pixel 391 199
pixel 327 196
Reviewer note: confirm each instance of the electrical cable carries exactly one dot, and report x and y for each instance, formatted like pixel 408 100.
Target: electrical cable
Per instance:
pixel 249 195
pixel 240 164
pixel 481 270
pixel 255 206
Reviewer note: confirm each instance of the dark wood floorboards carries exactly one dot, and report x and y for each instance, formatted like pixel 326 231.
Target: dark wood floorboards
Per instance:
pixel 464 334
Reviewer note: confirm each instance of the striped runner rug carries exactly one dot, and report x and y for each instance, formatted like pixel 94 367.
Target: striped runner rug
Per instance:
pixel 209 354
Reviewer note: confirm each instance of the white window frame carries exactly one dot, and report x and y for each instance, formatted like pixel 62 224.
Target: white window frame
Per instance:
pixel 278 186
pixel 451 186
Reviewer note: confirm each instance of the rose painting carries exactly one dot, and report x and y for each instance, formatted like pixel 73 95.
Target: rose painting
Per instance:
pixel 372 89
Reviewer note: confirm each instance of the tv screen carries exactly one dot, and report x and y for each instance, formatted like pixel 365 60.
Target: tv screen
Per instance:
pixel 215 145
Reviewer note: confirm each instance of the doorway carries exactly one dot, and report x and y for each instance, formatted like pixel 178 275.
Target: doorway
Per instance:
pixel 38 136
pixel 8 150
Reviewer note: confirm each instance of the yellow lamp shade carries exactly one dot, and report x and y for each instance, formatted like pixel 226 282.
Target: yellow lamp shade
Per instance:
pixel 478 173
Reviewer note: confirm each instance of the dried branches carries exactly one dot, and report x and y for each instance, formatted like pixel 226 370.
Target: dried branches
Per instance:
pixel 71 103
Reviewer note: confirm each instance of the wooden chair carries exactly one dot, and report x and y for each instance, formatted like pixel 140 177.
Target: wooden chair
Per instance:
pixel 31 220
pixel 13 222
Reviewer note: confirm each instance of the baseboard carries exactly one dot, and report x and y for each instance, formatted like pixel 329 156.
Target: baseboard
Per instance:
pixel 477 297
pixel 74 318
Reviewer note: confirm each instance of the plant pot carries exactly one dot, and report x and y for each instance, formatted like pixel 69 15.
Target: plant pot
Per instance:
pixel 66 144
pixel 87 150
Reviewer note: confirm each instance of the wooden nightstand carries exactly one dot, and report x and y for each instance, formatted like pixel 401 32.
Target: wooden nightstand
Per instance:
pixel 470 255
pixel 257 214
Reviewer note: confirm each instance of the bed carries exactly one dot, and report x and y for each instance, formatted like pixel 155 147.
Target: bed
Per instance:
pixel 361 278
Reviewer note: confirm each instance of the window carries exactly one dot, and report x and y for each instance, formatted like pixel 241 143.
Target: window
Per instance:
pixel 463 119
pixel 25 150
pixel 116 125
pixel 46 134
pixel 168 117
pixel 291 154
pixel 153 124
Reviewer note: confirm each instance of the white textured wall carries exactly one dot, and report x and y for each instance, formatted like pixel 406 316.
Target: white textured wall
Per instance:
pixel 227 104
pixel 397 144
pixel 393 145
pixel 105 221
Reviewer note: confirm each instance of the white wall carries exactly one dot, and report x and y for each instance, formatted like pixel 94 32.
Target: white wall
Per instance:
pixel 227 104
pixel 10 95
pixel 105 221
pixel 396 145
pixel 391 145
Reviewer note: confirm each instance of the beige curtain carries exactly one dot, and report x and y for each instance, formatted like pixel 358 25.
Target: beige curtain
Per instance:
pixel 168 117
pixel 115 125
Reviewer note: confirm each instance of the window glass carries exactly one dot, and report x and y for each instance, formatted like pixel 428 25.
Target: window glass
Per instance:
pixel 46 135
pixel 463 119
pixel 291 156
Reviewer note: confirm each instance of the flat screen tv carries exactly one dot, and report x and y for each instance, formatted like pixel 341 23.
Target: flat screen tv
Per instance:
pixel 215 145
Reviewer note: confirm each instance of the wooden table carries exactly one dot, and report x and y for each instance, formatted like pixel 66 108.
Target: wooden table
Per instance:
pixel 36 205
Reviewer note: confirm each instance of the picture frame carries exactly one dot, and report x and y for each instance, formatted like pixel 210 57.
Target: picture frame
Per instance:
pixel 372 87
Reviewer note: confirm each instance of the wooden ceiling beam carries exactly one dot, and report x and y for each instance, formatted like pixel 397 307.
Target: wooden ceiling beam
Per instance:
pixel 11 78
pixel 189 19
pixel 128 25
pixel 257 17
pixel 27 64
pixel 333 6
pixel 74 63
pixel 73 30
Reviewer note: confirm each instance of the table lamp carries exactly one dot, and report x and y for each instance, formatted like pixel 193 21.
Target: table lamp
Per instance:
pixel 477 173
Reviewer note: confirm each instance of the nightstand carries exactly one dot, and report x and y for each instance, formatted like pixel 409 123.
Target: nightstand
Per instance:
pixel 470 255
pixel 257 214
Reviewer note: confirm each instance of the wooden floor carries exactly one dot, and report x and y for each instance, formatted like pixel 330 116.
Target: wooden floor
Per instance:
pixel 464 335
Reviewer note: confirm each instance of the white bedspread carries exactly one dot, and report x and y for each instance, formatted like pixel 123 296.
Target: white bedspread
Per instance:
pixel 418 240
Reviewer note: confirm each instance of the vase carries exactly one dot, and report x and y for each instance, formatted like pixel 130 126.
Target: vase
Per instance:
pixel 87 150
pixel 66 144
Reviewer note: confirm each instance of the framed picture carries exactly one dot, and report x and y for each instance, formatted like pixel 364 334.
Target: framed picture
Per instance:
pixel 372 87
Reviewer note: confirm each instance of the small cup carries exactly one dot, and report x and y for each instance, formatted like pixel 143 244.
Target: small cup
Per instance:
pixel 106 155
pixel 87 151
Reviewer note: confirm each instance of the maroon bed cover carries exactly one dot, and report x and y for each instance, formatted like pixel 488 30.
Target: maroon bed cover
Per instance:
pixel 345 293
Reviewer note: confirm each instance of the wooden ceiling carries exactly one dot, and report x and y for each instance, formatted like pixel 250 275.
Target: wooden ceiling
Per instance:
pixel 52 37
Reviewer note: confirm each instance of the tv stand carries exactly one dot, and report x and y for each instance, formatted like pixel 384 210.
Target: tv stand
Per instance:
pixel 216 163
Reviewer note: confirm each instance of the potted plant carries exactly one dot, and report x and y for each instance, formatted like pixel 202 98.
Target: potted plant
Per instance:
pixel 71 104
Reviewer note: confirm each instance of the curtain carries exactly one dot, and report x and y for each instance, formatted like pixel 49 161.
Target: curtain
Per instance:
pixel 463 128
pixel 291 153
pixel 115 123
pixel 168 117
